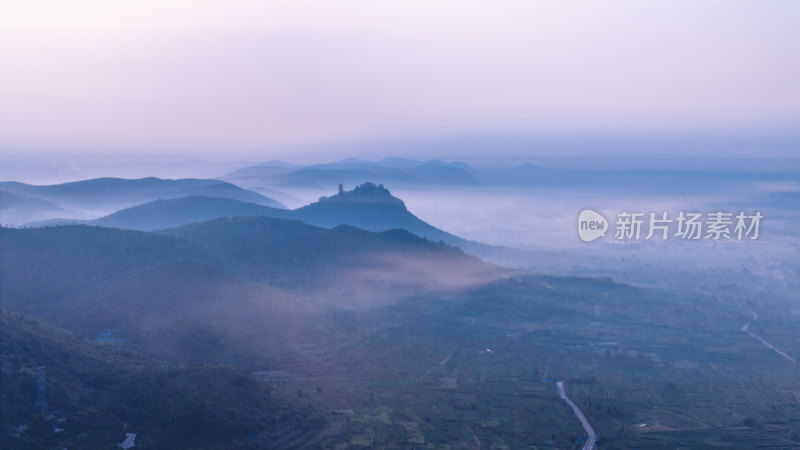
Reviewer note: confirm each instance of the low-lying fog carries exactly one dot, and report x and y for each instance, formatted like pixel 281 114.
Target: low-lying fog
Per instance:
pixel 546 220
pixel 543 218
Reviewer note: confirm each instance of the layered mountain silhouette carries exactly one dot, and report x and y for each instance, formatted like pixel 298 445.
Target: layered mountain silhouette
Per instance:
pixel 369 206
pixel 114 193
pixel 84 200
pixel 14 200
pixel 278 247
pixel 160 214
pixel 16 207
pixel 409 173
pixel 161 286
pixel 260 247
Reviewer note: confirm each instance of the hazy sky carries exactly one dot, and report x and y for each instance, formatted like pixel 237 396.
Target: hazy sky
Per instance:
pixel 207 78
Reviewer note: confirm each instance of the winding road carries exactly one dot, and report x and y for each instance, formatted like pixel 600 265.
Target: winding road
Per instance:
pixel 764 341
pixel 590 441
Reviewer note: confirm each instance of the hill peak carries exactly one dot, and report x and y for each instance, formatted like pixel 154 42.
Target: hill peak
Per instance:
pixel 364 193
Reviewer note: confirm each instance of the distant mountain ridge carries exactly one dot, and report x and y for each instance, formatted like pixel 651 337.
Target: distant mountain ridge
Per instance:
pixel 18 208
pixel 397 171
pixel 409 173
pixel 109 192
pixel 368 206
pixel 161 214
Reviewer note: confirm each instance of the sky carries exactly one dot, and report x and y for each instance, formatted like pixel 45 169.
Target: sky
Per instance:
pixel 333 79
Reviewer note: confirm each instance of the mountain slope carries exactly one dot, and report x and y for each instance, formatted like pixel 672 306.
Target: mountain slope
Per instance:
pixel 15 200
pixel 277 248
pixel 19 208
pixel 207 292
pixel 161 214
pixel 370 207
pixel 43 270
pixel 102 391
pixel 104 193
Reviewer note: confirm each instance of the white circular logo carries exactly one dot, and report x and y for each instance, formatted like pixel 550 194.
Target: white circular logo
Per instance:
pixel 591 225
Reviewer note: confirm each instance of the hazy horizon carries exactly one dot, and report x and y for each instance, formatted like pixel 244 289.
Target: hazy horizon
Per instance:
pixel 317 81
pixel 53 169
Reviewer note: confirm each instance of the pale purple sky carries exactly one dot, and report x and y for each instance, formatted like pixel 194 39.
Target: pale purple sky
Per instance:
pixel 230 77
